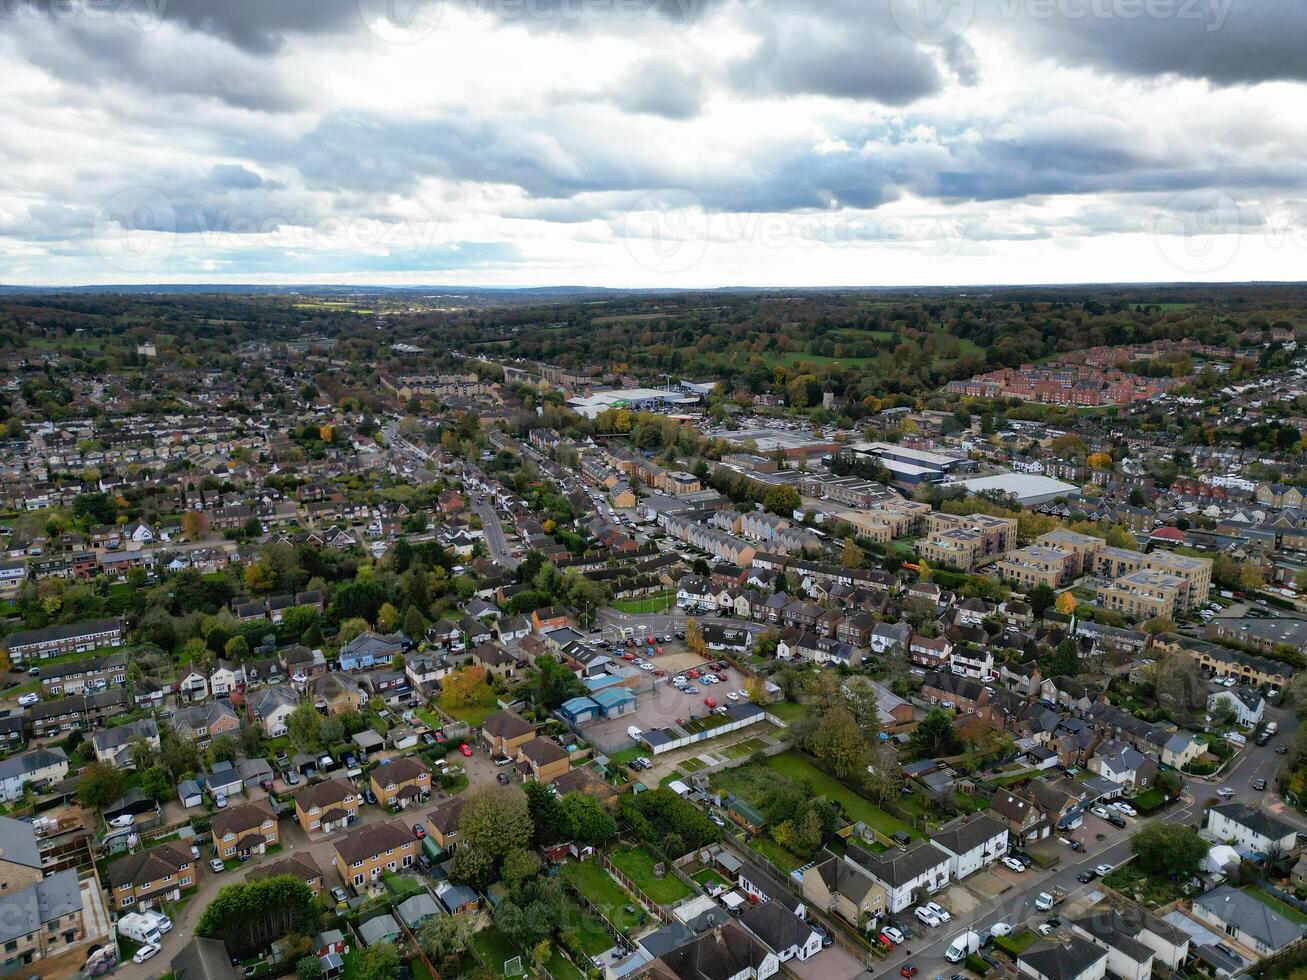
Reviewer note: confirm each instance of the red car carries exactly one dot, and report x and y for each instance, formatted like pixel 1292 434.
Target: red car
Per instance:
pixel 440 736
pixel 628 655
pixel 649 640
pixel 418 831
pixel 660 651
pixel 907 970
pixel 660 672
pixel 710 702
pixel 465 749
pixel 693 675
pixel 721 677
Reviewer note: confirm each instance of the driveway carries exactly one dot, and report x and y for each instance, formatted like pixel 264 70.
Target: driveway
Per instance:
pixel 832 963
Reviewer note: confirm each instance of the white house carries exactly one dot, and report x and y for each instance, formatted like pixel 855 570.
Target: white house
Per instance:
pixel 972 843
pixel 901 872
pixel 781 931
pixel 1242 918
pixel 272 707
pixel 1247 704
pixel 38 767
pixel 192 685
pixel 224 679
pixel 970 662
pixel 1255 830
pixel 885 635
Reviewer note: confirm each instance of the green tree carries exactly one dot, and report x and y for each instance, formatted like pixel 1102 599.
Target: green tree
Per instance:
pixel 378 962
pixel 224 748
pixel 549 822
pixel 934 735
pixel 589 821
pixel 840 742
pixel 157 784
pixel 307 967
pixel 1163 850
pixel 445 937
pixel 250 915
pixel 554 683
pixel 100 784
pixel 304 727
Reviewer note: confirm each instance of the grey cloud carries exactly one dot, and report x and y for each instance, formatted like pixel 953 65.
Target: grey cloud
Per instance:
pixel 660 88
pixel 1226 42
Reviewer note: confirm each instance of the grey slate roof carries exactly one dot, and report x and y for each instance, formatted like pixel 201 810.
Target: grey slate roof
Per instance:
pixel 203 959
pixel 1062 961
pixel 1250 916
pixel 777 926
pixel 24 912
pixel 1258 821
pixel 18 843
pixel 971 832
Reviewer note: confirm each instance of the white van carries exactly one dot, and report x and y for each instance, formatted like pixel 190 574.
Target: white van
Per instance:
pixel 139 928
pixel 635 733
pixel 161 921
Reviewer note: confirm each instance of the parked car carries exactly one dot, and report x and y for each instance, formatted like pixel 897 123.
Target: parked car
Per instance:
pixel 908 970
pixel 1099 811
pixel 123 820
pixel 1086 876
pixel 369 797
pixel 419 831
pixel 292 778
pixel 732 696
pixel 1126 808
pixel 30 699
pixel 502 778
pixel 145 952
pixel 1012 864
pixel 1047 930
pixel 926 916
pixel 1225 793
pixel 895 936
pixel 1103 870
pixel 216 865
pixel 465 749
pixel 1116 820
pixel 1000 929
pixel 939 910
pixel 710 702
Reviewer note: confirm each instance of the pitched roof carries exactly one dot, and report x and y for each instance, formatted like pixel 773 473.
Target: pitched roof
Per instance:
pixel 969 833
pixel 1258 821
pixel 507 725
pixel 324 794
pixel 1243 911
pixel 373 839
pixel 238 819
pixel 1063 960
pixel 148 865
pixel 399 770
pixel 203 959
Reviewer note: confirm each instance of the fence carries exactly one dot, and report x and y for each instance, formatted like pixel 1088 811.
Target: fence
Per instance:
pixel 647 903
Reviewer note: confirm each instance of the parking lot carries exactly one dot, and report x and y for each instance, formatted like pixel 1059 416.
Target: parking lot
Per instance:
pixel 665 705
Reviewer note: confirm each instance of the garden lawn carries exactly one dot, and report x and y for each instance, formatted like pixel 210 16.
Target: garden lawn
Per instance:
pixel 473 714
pixel 784 859
pixel 787 710
pixel 645 606
pixel 493 949
pixel 710 877
pixel 603 891
pixel 561 968
pixel 1149 800
pixel 857 807
pixel 638 865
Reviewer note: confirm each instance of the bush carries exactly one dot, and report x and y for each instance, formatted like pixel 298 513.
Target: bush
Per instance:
pixel 976 965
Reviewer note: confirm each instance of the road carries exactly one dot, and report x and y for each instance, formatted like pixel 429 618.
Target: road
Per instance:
pixel 1018 907
pixel 496 540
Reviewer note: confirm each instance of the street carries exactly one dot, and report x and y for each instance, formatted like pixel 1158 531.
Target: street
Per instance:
pixel 496 540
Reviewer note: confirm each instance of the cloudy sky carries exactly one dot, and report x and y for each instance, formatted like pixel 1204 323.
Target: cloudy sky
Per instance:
pixel 652 142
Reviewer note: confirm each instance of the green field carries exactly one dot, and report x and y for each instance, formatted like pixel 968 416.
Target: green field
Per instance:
pixel 638 865
pixel 787 710
pixel 645 606
pixel 603 891
pixel 858 808
pixel 786 860
pixel 710 877
pixel 493 949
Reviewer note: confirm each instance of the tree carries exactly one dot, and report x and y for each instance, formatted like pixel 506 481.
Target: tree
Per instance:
pixel 308 968
pixel 934 735
pixel 195 524
pixel 694 640
pixel 495 821
pixel 100 785
pixel 304 727
pixel 884 776
pixel 140 751
pixel 414 624
pixel 549 823
pixel 590 822
pixel 250 915
pixel 224 748
pixel 237 649
pixel 1041 598
pixel 518 866
pixel 387 618
pixel 840 742
pixel 378 962
pixel 851 556
pixel 445 937
pixel 464 688
pixel 1066 603
pixel 1164 850
pixel 157 784
pixel 554 683
pixel 1099 461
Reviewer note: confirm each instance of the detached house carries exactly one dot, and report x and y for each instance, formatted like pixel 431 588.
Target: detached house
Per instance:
pixel 327 807
pixel 505 732
pixel 839 886
pixel 243 831
pixel 401 782
pixel 157 874
pixel 364 855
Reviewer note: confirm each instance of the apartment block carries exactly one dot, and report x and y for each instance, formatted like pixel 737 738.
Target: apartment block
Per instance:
pixel 1194 573
pixel 1083 546
pixel 1039 565
pixel 1145 594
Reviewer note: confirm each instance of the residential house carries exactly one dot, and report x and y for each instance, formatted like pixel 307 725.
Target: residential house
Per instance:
pixel 542 759
pixel 366 853
pixel 40 920
pixel 205 722
pixel 150 876
pixel 842 888
pixel 38 768
pixel 442 822
pixel 1125 766
pixel 1251 828
pixel 971 843
pixel 1247 921
pixel 1072 958
pixel 299 865
pixel 115 745
pixel 902 871
pixel 505 732
pixel 1025 821
pixel 327 806
pixel 271 708
pixel 728 953
pixel 401 782
pixel 243 831
pixel 782 932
